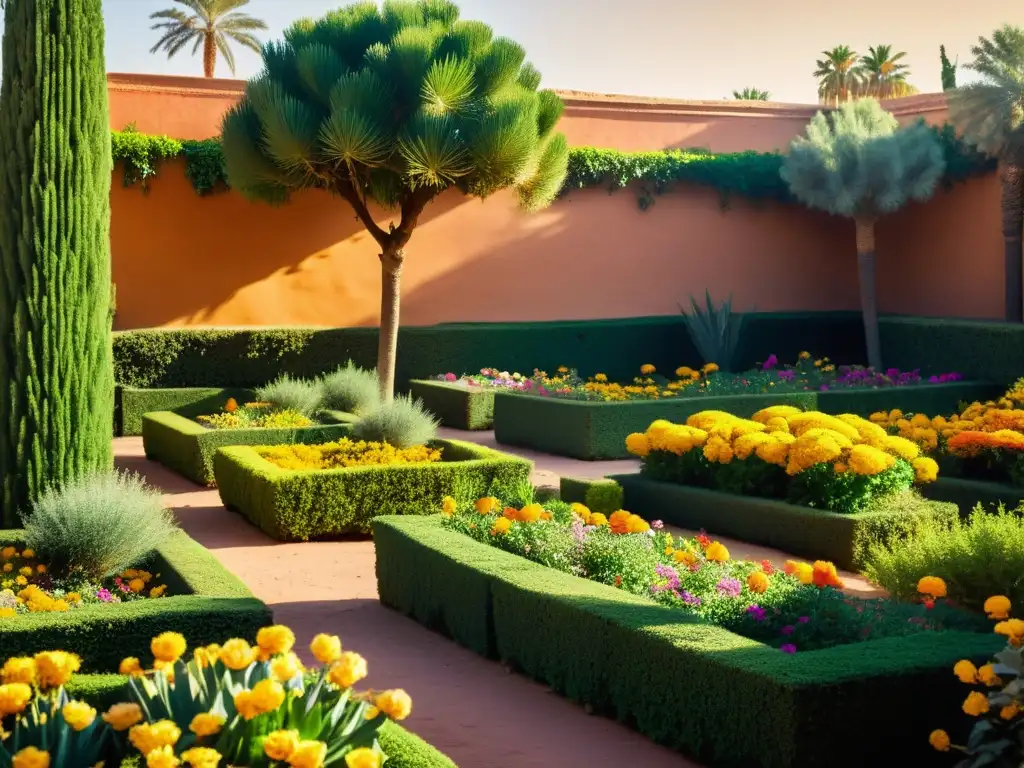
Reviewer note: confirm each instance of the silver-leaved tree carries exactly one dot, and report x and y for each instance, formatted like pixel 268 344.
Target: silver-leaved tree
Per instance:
pixel 857 162
pixel 392 106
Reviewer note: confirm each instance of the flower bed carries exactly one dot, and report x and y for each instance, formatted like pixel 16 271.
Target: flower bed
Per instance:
pixel 457 405
pixel 132 403
pixel 298 505
pixel 755 706
pixel 179 442
pixel 202 600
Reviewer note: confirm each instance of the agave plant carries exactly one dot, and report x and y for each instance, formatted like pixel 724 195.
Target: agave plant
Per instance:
pixel 715 330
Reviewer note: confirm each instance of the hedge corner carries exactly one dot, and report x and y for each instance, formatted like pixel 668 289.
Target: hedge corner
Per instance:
pixel 456 405
pixel 603 495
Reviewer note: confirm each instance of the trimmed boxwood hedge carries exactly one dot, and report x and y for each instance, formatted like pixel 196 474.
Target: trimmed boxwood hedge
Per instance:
pixel 207 604
pixel 602 495
pixel 186 446
pixel 132 403
pixel 597 430
pixel 457 406
pixel 403 748
pixel 687 684
pixel 967 494
pixel 299 505
pixel 814 533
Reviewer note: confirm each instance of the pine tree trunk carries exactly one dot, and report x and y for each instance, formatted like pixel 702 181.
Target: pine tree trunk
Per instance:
pixel 868 298
pixel 390 301
pixel 1013 223
pixel 56 413
pixel 209 55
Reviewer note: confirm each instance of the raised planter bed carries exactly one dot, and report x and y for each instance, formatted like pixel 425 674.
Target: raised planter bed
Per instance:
pixel 132 403
pixel 206 604
pixel 813 533
pixel 179 442
pixel 457 405
pixel 967 494
pixel 693 686
pixel 299 505
pixel 598 430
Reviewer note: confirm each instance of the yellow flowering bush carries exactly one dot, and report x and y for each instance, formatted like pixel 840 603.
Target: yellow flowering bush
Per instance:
pixel 842 463
pixel 254 415
pixel 346 453
pixel 996 701
pixel 254 705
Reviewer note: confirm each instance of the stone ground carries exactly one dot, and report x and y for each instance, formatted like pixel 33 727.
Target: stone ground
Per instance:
pixel 473 709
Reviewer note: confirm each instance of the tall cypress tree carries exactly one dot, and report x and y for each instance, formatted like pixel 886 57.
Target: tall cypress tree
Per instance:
pixel 56 369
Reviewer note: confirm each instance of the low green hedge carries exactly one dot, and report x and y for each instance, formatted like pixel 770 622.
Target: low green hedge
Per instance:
pixel 458 406
pixel 602 495
pixel 291 505
pixel 186 446
pixel 597 430
pixel 207 604
pixel 967 494
pixel 132 403
pixel 813 533
pixel 690 685
pixel 403 748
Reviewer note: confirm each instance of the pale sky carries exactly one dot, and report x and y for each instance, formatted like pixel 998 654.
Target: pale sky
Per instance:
pixel 672 48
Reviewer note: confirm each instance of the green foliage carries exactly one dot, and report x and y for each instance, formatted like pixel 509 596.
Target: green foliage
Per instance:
pixel 206 604
pixel 457 407
pixel 603 495
pixel 133 402
pixel 948 70
pixel 402 422
pixel 212 24
pixel 351 389
pixel 98 526
pixel 858 162
pixel 979 557
pixel 55 173
pixel 299 506
pixel 751 94
pixel 290 394
pixel 42 726
pixel 714 330
pixel 141 153
pixel 204 165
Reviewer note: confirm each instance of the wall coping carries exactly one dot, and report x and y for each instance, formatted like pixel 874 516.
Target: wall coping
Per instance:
pixel 575 101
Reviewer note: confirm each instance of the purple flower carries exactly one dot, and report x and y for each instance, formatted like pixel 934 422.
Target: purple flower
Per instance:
pixel 823 387
pixel 787 630
pixel 804 619
pixel 579 531
pixel 788 648
pixel 755 612
pixel 689 599
pixel 787 376
pixel 729 587
pixel 450 377
pixel 770 363
pixel 104 596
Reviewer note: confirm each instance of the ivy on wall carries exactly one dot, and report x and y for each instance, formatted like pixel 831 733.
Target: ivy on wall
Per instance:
pixel 752 175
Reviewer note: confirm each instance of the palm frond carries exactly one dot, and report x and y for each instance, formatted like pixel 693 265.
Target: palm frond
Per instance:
pixel 289 126
pixel 433 151
pixel 351 137
pixel 251 172
pixel 448 86
pixel 498 66
pixel 225 51
pixel 465 40
pixel 319 68
pixel 541 189
pixel 443 12
pixel 399 14
pixel 529 77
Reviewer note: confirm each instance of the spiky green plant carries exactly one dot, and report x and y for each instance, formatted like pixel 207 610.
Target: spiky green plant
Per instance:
pixel 351 389
pixel 990 115
pixel 857 162
pixel 751 94
pixel 948 70
pixel 387 108
pixel 56 363
pixel 838 74
pixel 714 330
pixel 402 422
pixel 288 394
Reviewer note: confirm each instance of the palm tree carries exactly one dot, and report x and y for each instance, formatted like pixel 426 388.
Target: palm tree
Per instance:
pixel 751 94
pixel 211 24
pixel 838 74
pixel 990 115
pixel 885 76
pixel 857 162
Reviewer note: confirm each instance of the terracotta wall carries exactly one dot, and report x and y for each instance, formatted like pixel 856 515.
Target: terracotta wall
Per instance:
pixel 184 260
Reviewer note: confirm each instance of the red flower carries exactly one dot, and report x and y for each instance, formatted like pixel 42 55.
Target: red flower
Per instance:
pixel 703 540
pixel 767 567
pixel 929 603
pixel 618 581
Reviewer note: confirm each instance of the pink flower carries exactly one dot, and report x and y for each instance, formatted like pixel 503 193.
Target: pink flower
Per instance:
pixel 450 377
pixel 788 648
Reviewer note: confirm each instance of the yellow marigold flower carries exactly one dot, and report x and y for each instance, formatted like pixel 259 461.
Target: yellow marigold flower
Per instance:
pixel 975 704
pixel 449 505
pixel 906 449
pixel 326 648
pixel 987 675
pixel 286 667
pixel 926 470
pixel 867 460
pixel 805 355
pixel 168 647
pixel 149 737
pixel 21 581
pixel 600 377
pixel 716 552
pixel 280 745
pixel 709 368
pixel 395 703
pixel 206 724
pixel 308 754
pixel 803 572
pixel 363 758
pixel 758 582
pixel 237 654
pixel 136 585
pixel 55 668
pixel 684 372
pixel 78 715
pixel 231 405
pixel 8 552
pixel 966 672
pixel 18 669
pixel 638 444
pixel 201 757
pixel 997 607
pixel 73 597
pixel 598 519
pixel 775 412
pixel 619 521
pixel 163 757
pixel 28 554
pixel 31 757
pixel 8 567
pixel 487 505
pixel 348 670
pixel 7 613
pixel 1010 711
pixel 14 697
pixel 268 695
pixel 166 667
pixel 895 414
pixel 684 556
pixel 40 568
pixel 1013 629
pixel 156 592
pixel 531 513
pixel 581 511
pixel 637 524
pixel 121 717
pixel 932 586
pixel 501 526
pixel 939 740
pixel 26 571
pixel 647 369
pixel 275 639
